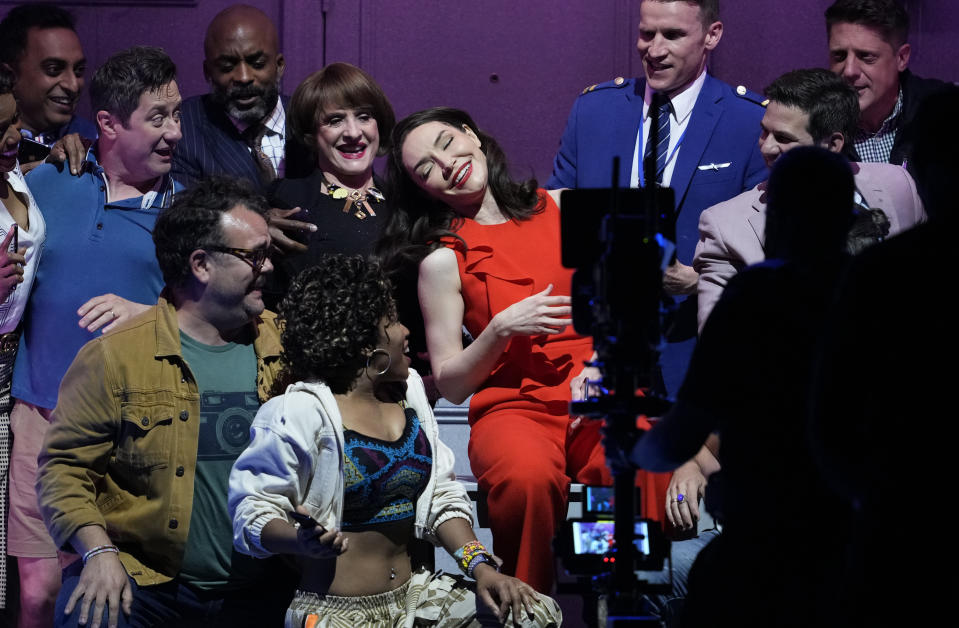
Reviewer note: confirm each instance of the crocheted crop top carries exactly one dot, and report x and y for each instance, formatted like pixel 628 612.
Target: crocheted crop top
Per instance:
pixel 383 478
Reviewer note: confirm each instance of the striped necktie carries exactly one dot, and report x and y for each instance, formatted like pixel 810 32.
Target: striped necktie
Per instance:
pixel 665 108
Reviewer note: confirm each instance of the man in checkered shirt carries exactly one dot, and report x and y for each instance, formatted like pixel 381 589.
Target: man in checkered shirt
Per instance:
pixel 868 47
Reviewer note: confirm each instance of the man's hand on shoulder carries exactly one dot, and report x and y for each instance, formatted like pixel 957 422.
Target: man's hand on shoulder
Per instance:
pixel 283 229
pixel 108 311
pixel 72 150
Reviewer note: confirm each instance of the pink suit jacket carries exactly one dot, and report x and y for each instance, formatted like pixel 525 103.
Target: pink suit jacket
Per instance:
pixel 732 233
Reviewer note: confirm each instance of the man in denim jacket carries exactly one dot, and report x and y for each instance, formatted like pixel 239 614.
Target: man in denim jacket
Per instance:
pixel 150 418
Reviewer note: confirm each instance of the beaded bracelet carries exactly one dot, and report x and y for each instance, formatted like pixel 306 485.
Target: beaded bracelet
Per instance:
pixel 471 555
pixel 100 549
pixel 478 560
pixel 468 552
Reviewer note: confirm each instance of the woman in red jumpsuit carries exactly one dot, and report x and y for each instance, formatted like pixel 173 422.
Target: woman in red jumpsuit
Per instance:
pixel 490 250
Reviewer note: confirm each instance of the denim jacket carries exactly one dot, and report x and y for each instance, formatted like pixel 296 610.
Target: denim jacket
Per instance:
pixel 121 448
pixel 295 457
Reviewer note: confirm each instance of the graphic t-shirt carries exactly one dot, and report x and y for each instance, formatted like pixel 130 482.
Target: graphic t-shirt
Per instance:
pixel 226 379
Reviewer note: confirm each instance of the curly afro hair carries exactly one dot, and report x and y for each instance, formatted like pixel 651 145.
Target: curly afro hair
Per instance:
pixel 332 315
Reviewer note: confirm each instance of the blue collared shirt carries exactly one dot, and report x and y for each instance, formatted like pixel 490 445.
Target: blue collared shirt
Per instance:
pixel 94 246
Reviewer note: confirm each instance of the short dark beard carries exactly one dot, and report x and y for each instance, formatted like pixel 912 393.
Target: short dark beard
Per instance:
pixel 266 101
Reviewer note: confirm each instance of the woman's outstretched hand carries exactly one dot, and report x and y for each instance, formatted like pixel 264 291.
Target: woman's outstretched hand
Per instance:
pixel 541 313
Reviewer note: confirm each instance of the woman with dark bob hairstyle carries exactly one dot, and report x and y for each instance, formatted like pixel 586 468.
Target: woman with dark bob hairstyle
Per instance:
pixel 488 255
pixel 345 470
pixel 339 122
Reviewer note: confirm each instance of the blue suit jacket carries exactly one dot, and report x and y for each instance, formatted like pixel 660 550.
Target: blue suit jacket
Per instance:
pixel 211 145
pixel 724 128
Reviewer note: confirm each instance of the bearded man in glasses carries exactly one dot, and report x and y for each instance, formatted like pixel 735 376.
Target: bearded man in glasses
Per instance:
pixel 134 469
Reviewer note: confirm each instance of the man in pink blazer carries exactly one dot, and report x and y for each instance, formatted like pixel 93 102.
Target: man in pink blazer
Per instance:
pixel 805 107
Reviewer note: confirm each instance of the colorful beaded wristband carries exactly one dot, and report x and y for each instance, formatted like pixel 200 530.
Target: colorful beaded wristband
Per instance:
pixel 478 560
pixel 100 549
pixel 468 553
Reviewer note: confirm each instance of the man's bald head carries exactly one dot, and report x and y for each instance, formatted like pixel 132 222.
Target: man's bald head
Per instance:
pixel 243 62
pixel 239 20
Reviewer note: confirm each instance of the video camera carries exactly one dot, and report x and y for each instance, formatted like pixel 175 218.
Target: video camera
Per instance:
pixel 587 545
pixel 620 241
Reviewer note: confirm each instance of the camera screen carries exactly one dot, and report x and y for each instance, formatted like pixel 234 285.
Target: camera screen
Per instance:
pixel 596 537
pixel 592 537
pixel 599 499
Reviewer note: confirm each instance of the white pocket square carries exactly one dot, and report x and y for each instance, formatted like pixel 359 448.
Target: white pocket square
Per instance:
pixel 715 166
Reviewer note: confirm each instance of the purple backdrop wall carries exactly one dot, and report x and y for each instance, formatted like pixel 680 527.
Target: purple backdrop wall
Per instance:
pixel 516 66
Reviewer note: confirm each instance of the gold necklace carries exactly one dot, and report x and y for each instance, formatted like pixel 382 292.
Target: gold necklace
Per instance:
pixel 356 200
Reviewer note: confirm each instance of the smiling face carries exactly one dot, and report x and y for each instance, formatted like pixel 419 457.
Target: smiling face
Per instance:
pixel 49 78
pixel 242 63
pixel 347 141
pixel 673 43
pixel 145 143
pixel 785 127
pixel 447 163
pixel 871 65
pixel 9 132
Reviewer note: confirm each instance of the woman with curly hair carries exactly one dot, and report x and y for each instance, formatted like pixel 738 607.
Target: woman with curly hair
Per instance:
pixel 488 253
pixel 345 477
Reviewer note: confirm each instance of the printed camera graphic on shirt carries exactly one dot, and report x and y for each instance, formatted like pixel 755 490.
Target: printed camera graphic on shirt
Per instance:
pixel 225 419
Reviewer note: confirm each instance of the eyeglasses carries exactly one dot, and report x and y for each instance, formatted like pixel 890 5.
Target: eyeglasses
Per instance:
pixel 254 257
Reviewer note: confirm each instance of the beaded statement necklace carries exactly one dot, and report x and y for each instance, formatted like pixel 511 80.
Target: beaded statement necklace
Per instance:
pixel 356 200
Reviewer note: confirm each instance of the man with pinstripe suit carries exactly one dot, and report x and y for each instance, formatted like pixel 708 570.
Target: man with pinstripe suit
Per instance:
pixel 239 128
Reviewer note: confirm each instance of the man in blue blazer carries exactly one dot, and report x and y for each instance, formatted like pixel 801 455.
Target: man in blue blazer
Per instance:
pixel 709 152
pixel 239 128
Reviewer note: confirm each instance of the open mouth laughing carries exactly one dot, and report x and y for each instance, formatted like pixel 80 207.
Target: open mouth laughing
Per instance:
pixel 352 151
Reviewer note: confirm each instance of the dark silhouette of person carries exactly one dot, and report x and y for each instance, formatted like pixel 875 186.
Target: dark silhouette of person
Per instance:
pixel 882 421
pixel 784 529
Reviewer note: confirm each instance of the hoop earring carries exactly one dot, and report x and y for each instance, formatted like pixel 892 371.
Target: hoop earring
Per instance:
pixel 369 360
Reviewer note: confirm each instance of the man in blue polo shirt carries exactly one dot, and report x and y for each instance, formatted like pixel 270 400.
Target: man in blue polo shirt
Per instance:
pixel 97 268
